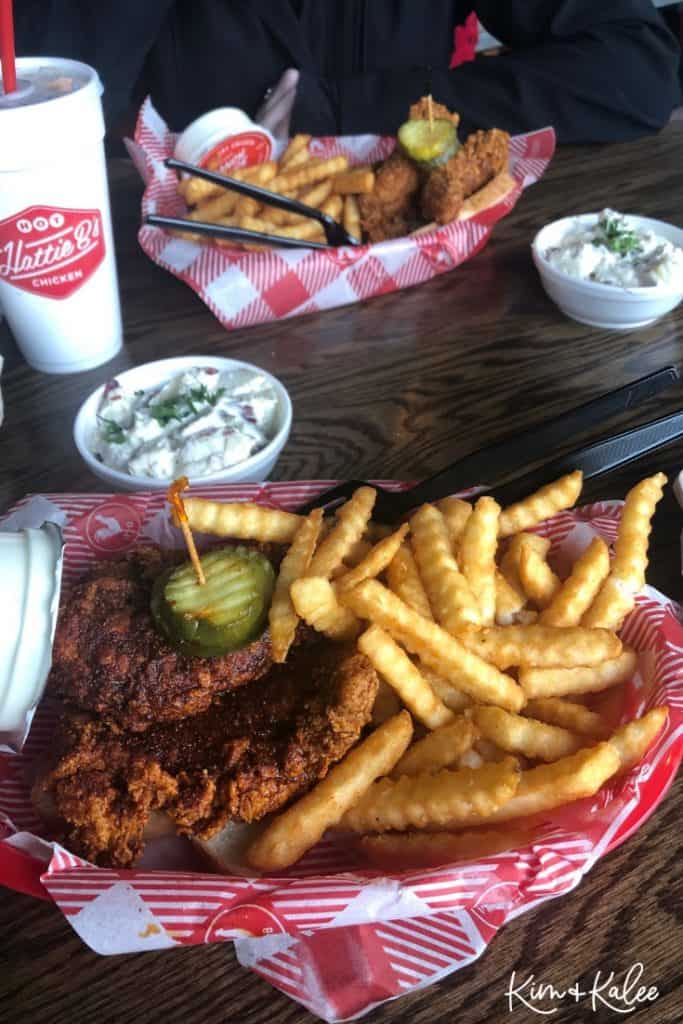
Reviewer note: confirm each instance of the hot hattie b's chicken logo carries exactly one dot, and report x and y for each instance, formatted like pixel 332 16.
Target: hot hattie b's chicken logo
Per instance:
pixel 51 251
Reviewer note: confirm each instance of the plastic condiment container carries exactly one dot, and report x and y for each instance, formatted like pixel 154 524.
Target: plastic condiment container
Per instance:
pixel 30 581
pixel 58 285
pixel 224 138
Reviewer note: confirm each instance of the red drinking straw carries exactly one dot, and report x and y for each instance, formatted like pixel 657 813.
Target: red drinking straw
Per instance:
pixel 9 70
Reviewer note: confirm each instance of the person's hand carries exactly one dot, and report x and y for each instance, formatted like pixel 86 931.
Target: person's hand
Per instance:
pixel 276 110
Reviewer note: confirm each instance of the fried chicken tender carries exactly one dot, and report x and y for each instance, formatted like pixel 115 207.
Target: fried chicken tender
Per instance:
pixel 389 209
pixel 483 155
pixel 252 752
pixel 420 112
pixel 109 658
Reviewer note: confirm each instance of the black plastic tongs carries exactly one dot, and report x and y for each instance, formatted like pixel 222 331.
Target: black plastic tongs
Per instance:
pixel 335 233
pixel 489 465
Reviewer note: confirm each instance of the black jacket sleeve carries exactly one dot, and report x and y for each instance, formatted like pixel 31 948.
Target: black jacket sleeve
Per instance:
pixel 113 37
pixel 597 70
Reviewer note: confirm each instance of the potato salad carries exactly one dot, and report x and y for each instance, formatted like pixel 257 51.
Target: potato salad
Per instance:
pixel 197 423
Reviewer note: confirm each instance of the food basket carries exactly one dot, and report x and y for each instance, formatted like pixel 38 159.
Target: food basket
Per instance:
pixel 245 288
pixel 331 932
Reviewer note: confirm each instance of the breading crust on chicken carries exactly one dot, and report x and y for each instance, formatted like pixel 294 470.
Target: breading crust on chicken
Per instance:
pixel 389 210
pixel 483 155
pixel 109 658
pixel 252 752
pixel 421 111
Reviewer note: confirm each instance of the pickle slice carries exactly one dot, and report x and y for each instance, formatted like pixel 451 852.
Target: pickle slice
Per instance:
pixel 429 144
pixel 223 614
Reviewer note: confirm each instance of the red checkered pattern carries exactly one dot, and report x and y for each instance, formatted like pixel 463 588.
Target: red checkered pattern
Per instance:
pixel 331 933
pixel 250 288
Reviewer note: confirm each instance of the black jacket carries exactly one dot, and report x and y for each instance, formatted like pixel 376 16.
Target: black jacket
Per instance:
pixel 595 69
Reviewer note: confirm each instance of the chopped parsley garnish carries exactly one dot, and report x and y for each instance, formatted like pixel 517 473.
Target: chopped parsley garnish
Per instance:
pixel 616 237
pixel 184 405
pixel 112 432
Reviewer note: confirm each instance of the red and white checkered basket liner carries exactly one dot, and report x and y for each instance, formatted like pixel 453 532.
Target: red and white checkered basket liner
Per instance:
pixel 244 288
pixel 331 933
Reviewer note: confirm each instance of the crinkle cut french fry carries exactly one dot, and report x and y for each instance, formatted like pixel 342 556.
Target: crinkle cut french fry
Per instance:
pixel 616 597
pixel 357 553
pixel 510 602
pixel 610 607
pixel 519 735
pixel 356 181
pixel 351 219
pixel 315 601
pixel 300 827
pixel 242 520
pixel 247 207
pixel 438 749
pixel 567 714
pixel 538 580
pixel 297 145
pixel 316 195
pixel 562 682
pixel 404 580
pixel 509 563
pixel 488 750
pixel 551 785
pixel 376 560
pixel 630 550
pixel 470 759
pixel 452 697
pixel 552 498
pixel 352 519
pixel 333 207
pixel 446 798
pixel 449 593
pixel 456 512
pixel 309 173
pixel 307 231
pixel 541 646
pixel 579 589
pixel 223 204
pixel 394 665
pixel 435 647
pixel 477 555
pixel 404 850
pixel 632 741
pixel 282 617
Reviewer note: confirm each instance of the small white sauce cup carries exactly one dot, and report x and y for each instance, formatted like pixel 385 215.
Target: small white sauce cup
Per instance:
pixel 224 138
pixel 605 305
pixel 30 579
pixel 252 470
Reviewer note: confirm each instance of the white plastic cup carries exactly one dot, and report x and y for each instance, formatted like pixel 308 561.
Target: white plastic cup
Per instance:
pixel 58 285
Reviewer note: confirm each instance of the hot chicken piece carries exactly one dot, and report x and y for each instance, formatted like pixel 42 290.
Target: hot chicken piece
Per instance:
pixel 481 158
pixel 112 658
pixel 254 750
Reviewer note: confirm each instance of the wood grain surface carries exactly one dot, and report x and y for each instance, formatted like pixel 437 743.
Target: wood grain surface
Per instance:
pixel 397 386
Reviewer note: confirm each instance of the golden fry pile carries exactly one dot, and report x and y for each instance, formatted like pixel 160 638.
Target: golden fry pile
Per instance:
pixel 499 680
pixel 327 184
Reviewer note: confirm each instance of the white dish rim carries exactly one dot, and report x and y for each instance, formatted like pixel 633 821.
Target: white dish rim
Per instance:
pixel 166 368
pixel 653 291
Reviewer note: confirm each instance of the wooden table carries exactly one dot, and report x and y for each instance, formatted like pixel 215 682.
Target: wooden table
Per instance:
pixel 398 386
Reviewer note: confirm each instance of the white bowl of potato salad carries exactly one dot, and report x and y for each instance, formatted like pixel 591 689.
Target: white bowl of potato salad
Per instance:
pixel 213 420
pixel 611 270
